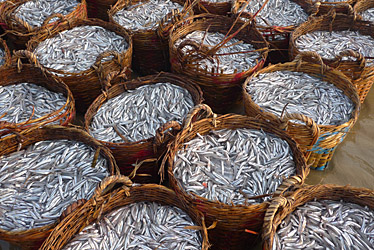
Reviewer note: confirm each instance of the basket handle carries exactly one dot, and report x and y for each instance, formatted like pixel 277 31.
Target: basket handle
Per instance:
pixel 49 18
pixel 309 122
pixel 160 133
pixel 287 184
pixel 359 57
pixel 98 66
pixel 30 56
pixel 71 208
pixel 195 111
pixel 175 15
pixel 108 183
pixel 310 56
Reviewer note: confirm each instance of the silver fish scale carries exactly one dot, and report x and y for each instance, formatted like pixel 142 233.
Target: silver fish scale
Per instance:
pixel 2 57
pixel 329 45
pixel 142 225
pixel 144 16
pixel 326 224
pixel 76 50
pixel 18 100
pixel 39 182
pixel 233 165
pixel 305 94
pixel 36 11
pixel 277 13
pixel 137 114
pixel 368 15
pixel 227 64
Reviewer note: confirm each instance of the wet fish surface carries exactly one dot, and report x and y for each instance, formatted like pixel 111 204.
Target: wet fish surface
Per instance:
pixel 137 114
pixel 142 225
pixel 145 15
pixel 234 165
pixel 326 224
pixel 277 12
pixel 227 60
pixel 34 12
pixel 368 15
pixel 76 50
pixel 330 44
pixel 20 102
pixel 302 93
pixel 39 182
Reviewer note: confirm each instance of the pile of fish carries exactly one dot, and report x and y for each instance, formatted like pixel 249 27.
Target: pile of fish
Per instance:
pixel 39 182
pixel 368 15
pixel 24 101
pixel 302 93
pixel 326 224
pixel 145 15
pixel 228 59
pixel 136 114
pixel 330 44
pixel 234 165
pixel 2 56
pixel 143 225
pixel 276 12
pixel 76 50
pixel 34 12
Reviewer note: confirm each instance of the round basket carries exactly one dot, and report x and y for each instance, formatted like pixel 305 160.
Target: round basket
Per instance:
pixel 281 206
pixel 33 238
pixel 151 52
pixel 14 74
pixel 107 198
pixel 99 8
pixel 221 91
pixel 236 225
pixel 330 136
pixel 87 85
pixel 359 73
pixel 129 153
pixel 19 31
pixel 321 8
pixel 4 46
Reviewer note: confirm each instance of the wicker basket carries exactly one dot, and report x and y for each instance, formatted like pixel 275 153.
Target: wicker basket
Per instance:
pixel 322 8
pixel 87 85
pixel 232 220
pixel 14 74
pixel 362 5
pixel 107 198
pixel 281 206
pixel 151 52
pixel 19 31
pixel 4 46
pixel 221 91
pixel 330 135
pixel 33 238
pixel 218 8
pixel 130 153
pixel 360 74
pixel 99 8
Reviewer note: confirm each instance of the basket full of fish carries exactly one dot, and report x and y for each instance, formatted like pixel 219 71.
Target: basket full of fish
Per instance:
pixel 218 53
pixel 308 87
pixel 344 42
pixel 31 97
pixel 145 21
pixel 42 172
pixel 5 56
pixel 321 217
pixel 228 167
pixel 23 19
pixel 134 119
pixel 82 53
pixel 131 217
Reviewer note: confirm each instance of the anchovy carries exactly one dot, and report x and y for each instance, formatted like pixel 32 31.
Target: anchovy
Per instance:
pixel 234 165
pixel 19 101
pixel 227 59
pixel 76 50
pixel 326 224
pixel 34 12
pixel 368 15
pixel 40 181
pixel 137 114
pixel 302 93
pixel 330 44
pixel 142 225
pixel 145 15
